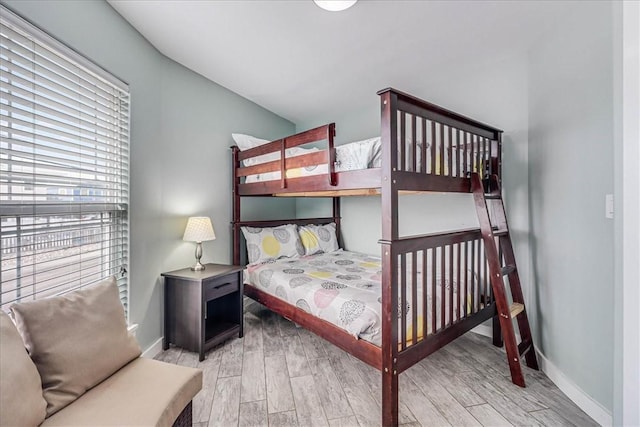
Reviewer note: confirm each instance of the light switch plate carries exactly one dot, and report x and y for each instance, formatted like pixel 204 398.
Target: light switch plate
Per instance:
pixel 608 202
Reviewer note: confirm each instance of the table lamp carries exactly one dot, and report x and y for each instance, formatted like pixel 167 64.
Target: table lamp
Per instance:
pixel 199 229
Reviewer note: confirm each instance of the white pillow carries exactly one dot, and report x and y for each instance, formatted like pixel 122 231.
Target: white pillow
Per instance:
pixel 245 142
pixel 358 154
pixel 267 244
pixel 318 238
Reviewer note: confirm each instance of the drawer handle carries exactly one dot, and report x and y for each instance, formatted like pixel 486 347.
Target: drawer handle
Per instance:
pixel 223 285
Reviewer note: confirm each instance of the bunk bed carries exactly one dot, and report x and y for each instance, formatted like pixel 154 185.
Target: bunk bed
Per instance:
pixel 433 287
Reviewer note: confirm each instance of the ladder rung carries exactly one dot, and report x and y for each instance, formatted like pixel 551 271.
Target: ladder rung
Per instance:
pixel 500 232
pixel 508 269
pixel 515 309
pixel 524 347
pixel 492 196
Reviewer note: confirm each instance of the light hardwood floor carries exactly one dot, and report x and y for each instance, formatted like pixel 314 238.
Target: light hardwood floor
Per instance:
pixel 281 375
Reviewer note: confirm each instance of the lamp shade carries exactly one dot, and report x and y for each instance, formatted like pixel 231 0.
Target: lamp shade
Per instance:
pixel 199 229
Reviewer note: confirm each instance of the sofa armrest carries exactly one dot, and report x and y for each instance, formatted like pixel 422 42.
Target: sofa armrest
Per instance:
pixel 185 419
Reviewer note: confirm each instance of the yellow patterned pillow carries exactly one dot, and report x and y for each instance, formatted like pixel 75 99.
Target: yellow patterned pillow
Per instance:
pixel 318 238
pixel 266 244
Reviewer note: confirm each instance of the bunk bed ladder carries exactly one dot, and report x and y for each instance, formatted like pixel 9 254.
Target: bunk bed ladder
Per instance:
pixel 498 247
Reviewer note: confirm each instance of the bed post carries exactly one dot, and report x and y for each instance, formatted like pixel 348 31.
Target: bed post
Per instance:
pixel 497 330
pixel 235 215
pixel 337 217
pixel 499 158
pixel 331 133
pixel 388 128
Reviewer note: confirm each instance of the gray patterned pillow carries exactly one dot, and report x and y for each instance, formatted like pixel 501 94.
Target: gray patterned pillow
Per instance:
pixel 267 244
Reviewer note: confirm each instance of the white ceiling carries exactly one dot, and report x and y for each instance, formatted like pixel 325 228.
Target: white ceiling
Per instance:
pixel 302 62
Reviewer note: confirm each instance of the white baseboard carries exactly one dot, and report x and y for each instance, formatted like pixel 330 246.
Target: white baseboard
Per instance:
pixel 585 402
pixel 153 350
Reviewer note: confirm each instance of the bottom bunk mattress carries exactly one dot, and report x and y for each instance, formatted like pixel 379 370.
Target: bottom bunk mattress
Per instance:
pixel 344 288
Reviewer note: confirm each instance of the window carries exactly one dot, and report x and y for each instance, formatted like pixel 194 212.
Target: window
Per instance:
pixel 64 168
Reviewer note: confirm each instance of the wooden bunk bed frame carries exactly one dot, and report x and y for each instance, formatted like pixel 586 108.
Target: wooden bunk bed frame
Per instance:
pixel 458 148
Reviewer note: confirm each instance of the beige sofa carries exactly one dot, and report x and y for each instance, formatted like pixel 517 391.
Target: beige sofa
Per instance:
pixel 69 361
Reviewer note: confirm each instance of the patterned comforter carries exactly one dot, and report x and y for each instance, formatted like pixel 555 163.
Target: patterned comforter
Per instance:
pixel 341 287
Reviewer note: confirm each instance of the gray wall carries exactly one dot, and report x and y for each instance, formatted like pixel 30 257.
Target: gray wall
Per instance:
pixel 181 127
pixel 570 171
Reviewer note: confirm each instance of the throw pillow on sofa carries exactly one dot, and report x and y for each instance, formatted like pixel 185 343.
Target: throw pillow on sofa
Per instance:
pixel 76 340
pixel 21 401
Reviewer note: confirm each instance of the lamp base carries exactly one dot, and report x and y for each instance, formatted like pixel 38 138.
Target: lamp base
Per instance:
pixel 198 267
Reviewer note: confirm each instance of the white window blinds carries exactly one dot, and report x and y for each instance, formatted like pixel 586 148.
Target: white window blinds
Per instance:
pixel 64 168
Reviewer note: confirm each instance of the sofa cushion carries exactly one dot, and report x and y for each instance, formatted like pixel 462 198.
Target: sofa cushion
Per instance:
pixel 21 401
pixel 145 392
pixel 76 340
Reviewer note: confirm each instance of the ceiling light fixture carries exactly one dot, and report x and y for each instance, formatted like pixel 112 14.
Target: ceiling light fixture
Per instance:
pixel 335 5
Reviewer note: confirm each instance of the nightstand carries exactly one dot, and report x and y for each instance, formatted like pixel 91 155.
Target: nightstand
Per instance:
pixel 202 308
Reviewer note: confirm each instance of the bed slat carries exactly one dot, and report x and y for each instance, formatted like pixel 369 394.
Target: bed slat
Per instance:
pixel 414 145
pixel 403 142
pixel 433 147
pixel 449 152
pixel 459 153
pixel 403 300
pixel 460 267
pixel 441 150
pixel 423 148
pixel 414 298
pixel 467 277
pixel 443 287
pixel 425 301
pixel 434 326
pixel 451 281
pixel 466 153
pixel 473 277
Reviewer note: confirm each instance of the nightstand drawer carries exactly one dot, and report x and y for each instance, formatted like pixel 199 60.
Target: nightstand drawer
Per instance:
pixel 221 286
